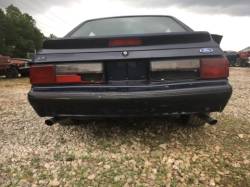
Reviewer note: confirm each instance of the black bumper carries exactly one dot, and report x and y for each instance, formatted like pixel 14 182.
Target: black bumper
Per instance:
pixel 78 104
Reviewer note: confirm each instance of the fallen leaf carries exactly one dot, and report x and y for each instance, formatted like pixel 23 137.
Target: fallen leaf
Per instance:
pixel 163 146
pixel 55 182
pixel 91 177
pixel 241 135
pixel 217 148
pixel 107 166
pixel 147 164
pixel 212 182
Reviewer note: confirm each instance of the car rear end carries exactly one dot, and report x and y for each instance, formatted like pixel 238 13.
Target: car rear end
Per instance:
pixel 4 64
pixel 22 66
pixel 177 73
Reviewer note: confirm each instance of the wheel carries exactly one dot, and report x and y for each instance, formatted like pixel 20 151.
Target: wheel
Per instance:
pixel 233 63
pixel 12 72
pixel 237 64
pixel 25 74
pixel 192 121
pixel 244 63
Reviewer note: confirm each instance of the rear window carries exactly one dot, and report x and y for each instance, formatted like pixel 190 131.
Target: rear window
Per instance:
pixel 127 26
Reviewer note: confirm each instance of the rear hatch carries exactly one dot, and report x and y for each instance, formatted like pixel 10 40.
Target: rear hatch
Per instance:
pixel 133 59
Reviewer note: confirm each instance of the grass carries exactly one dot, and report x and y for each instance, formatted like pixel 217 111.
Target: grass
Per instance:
pixel 118 153
pixel 215 152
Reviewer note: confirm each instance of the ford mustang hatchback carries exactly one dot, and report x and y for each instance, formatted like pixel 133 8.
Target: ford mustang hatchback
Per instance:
pixel 131 66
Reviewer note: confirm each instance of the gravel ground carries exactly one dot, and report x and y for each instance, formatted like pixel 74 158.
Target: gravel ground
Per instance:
pixel 124 153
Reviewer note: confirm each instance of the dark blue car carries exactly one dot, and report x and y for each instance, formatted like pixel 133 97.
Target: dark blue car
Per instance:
pixel 131 66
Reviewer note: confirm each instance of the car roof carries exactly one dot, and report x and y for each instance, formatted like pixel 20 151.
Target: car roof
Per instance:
pixel 128 16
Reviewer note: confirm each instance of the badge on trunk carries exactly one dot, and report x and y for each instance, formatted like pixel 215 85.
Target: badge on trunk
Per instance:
pixel 125 53
pixel 206 50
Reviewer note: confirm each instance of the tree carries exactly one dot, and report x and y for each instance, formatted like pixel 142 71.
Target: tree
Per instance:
pixel 18 33
pixel 52 36
pixel 2 32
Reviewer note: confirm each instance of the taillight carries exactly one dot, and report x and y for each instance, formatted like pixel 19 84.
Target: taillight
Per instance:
pixel 88 73
pixel 68 79
pixel 79 68
pixel 174 69
pixel 178 64
pixel 42 74
pixel 125 42
pixel 214 68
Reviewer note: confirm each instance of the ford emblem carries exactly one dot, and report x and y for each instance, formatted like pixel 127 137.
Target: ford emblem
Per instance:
pixel 206 50
pixel 125 53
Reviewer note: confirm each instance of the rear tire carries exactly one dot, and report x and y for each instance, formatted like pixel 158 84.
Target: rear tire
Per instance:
pixel 237 63
pixel 192 121
pixel 12 73
pixel 24 74
pixel 244 63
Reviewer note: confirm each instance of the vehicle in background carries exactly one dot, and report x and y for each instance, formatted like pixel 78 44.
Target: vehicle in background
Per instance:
pixel 12 67
pixel 232 57
pixel 131 66
pixel 22 65
pixel 244 57
pixel 239 59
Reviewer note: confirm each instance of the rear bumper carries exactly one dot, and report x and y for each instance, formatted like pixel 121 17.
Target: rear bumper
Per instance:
pixel 80 104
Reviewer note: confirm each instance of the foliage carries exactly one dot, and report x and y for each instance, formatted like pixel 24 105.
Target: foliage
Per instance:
pixel 52 36
pixel 18 33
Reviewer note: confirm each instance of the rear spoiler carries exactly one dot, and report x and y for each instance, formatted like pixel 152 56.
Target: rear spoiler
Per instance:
pixel 146 40
pixel 217 38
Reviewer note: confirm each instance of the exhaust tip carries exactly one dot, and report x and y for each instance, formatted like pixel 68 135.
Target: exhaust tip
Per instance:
pixel 50 122
pixel 208 119
pixel 213 122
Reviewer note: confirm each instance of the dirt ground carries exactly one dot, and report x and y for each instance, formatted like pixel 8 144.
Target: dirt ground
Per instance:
pixel 124 153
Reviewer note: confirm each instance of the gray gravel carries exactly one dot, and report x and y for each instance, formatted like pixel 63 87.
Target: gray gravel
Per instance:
pixel 123 153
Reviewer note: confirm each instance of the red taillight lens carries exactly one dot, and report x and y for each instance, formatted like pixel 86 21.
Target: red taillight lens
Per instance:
pixel 68 79
pixel 42 74
pixel 214 68
pixel 125 42
pixel 50 74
